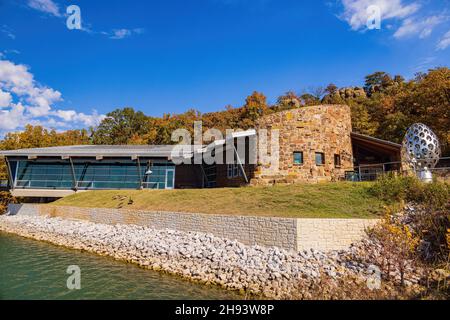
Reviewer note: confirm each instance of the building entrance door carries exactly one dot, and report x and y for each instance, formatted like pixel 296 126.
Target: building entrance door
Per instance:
pixel 170 178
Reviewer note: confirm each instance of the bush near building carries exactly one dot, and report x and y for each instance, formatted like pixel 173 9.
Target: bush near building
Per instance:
pixel 410 189
pixel 5 199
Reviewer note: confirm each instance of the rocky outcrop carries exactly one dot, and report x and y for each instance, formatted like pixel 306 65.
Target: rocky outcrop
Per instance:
pixel 351 92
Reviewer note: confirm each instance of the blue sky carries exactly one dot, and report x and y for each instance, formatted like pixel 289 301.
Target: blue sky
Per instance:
pixel 168 56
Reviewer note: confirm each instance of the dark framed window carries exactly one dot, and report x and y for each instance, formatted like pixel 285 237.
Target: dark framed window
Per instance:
pixel 320 158
pixel 298 157
pixel 123 174
pixel 337 160
pixel 235 170
pixel 230 171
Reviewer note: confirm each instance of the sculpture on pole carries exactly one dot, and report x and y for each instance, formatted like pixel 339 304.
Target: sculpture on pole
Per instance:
pixel 421 150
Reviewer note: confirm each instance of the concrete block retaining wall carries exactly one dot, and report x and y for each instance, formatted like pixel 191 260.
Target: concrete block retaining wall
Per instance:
pixel 330 234
pixel 287 233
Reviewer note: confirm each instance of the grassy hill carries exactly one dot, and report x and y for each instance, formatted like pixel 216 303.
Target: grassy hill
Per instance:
pixel 328 200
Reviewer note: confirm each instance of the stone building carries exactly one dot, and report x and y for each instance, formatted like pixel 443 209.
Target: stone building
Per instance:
pixel 314 144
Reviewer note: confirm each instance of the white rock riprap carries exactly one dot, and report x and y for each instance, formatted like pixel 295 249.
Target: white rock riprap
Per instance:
pixel 269 272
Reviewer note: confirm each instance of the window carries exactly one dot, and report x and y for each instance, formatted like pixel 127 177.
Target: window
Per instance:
pixel 122 174
pixel 298 157
pixel 230 171
pixel 239 171
pixel 320 158
pixel 337 160
pixel 235 170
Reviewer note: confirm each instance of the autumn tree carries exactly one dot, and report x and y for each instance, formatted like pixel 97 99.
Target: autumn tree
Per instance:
pixel 254 108
pixel 40 137
pixel 332 95
pixel 384 109
pixel 428 100
pixel 288 101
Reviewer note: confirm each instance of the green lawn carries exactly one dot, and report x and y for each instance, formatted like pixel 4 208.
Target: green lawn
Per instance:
pixel 327 200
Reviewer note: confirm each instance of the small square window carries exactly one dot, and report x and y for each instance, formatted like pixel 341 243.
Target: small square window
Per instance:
pixel 298 157
pixel 320 158
pixel 337 160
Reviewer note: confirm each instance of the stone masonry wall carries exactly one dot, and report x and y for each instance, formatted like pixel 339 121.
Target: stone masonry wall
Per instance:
pixel 278 232
pixel 324 128
pixel 290 234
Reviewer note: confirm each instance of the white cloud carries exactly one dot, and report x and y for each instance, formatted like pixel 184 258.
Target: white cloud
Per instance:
pixel 425 64
pixel 46 6
pixel 87 120
pixel 444 42
pixel 7 31
pixel 51 7
pixel 23 100
pixel 18 80
pixel 4 53
pixel 5 99
pixel 120 33
pixel 13 118
pixel 356 15
pixel 124 33
pixel 139 30
pixel 421 27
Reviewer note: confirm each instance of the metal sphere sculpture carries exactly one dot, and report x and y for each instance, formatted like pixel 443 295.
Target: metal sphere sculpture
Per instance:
pixel 421 148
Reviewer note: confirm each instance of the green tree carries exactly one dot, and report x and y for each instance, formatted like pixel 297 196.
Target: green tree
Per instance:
pixel 308 99
pixel 376 82
pixel 331 89
pixel 120 126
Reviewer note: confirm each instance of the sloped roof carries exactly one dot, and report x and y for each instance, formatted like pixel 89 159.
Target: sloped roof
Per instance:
pixel 381 142
pixel 165 151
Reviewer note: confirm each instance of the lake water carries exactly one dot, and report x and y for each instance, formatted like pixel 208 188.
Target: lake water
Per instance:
pixel 32 269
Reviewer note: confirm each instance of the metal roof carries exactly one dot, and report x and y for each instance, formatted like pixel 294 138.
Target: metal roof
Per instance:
pixel 164 151
pixel 376 140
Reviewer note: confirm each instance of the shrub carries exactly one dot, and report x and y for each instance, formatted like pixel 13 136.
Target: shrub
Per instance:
pixel 432 227
pixel 392 188
pixel 398 245
pixel 5 199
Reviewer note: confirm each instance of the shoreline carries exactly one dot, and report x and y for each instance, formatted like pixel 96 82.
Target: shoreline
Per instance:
pixel 201 258
pixel 180 277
